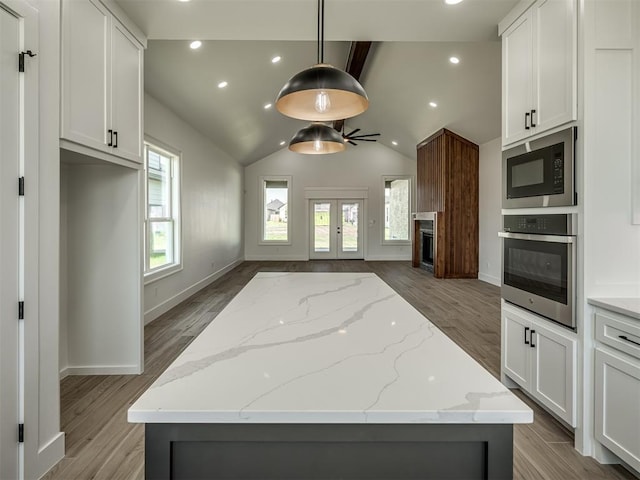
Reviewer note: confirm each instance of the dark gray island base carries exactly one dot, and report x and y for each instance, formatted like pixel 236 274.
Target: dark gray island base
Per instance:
pixel 328 451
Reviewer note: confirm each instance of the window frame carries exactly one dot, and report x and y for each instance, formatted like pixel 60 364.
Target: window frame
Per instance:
pixel 175 206
pixel 385 179
pixel 262 205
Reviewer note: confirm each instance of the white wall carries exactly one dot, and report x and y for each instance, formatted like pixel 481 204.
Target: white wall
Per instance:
pixel 101 210
pixel 211 210
pixel 360 166
pixel 490 205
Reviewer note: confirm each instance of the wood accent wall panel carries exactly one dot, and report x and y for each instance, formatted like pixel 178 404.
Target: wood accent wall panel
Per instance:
pixel 448 183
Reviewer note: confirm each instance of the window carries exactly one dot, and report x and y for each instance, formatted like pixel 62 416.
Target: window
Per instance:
pixel 275 200
pixel 162 216
pixel 397 206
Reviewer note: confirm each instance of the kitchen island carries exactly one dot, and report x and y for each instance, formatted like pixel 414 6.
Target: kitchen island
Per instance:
pixel 326 375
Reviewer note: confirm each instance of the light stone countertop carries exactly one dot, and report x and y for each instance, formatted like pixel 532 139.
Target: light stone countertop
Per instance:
pixel 325 348
pixel 625 306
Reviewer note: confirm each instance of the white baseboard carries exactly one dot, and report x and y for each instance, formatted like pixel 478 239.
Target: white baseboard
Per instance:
pixel 388 258
pixel 276 258
pixel 168 304
pixel 489 279
pixel 50 454
pixel 64 373
pixel 103 370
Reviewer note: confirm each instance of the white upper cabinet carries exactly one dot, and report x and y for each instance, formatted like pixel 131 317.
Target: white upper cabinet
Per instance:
pixel 102 89
pixel 539 70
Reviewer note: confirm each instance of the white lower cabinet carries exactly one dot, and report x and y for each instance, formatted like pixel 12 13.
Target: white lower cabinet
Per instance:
pixel 617 386
pixel 541 358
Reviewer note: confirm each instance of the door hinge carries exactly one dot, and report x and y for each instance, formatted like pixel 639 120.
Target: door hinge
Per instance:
pixel 21 186
pixel 20 310
pixel 21 59
pixel 21 433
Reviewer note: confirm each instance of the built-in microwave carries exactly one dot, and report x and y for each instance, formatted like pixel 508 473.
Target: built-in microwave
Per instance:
pixel 540 173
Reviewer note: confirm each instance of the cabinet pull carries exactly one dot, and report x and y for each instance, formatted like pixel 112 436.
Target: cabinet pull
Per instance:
pixel 531 337
pixel 115 141
pixel 533 122
pixel 526 121
pixel 526 329
pixel 110 144
pixel 624 337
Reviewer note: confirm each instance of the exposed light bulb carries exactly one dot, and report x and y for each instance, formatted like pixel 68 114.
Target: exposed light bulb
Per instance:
pixel 323 103
pixel 317 145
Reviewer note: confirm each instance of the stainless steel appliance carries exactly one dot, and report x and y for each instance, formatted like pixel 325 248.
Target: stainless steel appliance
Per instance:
pixel 540 173
pixel 539 265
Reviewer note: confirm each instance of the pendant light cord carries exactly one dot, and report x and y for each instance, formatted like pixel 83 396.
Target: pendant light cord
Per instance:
pixel 320 31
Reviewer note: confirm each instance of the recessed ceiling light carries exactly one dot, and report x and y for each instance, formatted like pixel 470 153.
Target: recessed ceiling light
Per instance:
pixel 195 44
pixel 433 104
pixel 452 2
pixel 184 1
pixel 223 84
pixel 393 142
pixel 282 142
pixel 276 59
pixel 454 60
pixel 268 106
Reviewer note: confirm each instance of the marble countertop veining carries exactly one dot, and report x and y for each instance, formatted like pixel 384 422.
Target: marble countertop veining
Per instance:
pixel 325 348
pixel 625 306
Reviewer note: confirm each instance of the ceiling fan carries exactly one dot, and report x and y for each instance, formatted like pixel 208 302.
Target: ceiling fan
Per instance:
pixel 352 138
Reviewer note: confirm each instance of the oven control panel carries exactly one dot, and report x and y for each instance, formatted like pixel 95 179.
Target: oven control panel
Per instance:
pixel 552 224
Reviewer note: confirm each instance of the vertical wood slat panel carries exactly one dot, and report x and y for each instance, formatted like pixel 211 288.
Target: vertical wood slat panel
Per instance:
pixel 448 183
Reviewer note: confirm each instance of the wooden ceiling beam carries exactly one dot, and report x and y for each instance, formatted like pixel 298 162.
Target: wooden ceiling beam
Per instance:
pixel 355 64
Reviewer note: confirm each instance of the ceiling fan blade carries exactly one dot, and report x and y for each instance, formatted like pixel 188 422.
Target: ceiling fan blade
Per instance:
pixel 365 135
pixel 352 143
pixel 365 140
pixel 354 131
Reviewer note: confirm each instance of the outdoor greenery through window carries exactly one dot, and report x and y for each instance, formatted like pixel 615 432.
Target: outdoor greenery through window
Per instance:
pixel 162 228
pixel 397 195
pixel 275 214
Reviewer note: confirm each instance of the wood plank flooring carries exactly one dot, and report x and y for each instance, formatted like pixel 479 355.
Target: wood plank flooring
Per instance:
pixel 100 444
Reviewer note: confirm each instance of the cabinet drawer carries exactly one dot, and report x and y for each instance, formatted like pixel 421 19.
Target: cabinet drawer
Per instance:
pixel 617 405
pixel 618 332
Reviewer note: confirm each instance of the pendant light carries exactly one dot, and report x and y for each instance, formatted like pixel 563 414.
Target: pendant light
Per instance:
pixel 317 139
pixel 322 93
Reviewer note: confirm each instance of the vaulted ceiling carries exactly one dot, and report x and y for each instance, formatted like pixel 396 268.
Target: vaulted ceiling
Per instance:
pixel 407 68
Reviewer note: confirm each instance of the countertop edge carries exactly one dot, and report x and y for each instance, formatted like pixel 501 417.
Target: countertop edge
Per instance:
pixel 625 306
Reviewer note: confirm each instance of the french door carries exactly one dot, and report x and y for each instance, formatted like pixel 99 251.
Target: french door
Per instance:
pixel 336 229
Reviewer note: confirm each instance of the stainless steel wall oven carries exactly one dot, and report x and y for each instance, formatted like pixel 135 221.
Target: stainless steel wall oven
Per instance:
pixel 539 265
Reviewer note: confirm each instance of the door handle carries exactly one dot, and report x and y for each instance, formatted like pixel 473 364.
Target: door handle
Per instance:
pixel 110 132
pixel 533 122
pixel 526 329
pixel 115 141
pixel 526 121
pixel 531 337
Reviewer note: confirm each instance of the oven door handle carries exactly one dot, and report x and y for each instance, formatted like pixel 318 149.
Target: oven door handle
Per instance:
pixel 539 238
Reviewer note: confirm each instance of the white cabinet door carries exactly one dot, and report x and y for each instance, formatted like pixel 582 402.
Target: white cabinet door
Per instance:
pixel 517 78
pixel 617 405
pixel 555 66
pixel 85 70
pixel 553 371
pixel 515 348
pixel 126 93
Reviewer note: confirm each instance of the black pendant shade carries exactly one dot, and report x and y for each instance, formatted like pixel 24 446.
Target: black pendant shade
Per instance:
pixel 322 93
pixel 317 139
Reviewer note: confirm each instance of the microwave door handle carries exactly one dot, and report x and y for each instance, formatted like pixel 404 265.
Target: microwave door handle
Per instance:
pixel 538 238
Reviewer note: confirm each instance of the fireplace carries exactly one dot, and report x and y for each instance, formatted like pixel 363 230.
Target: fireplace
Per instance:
pixel 426 244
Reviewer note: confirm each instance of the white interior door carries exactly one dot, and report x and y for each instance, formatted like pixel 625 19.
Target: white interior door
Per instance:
pixel 336 229
pixel 10 124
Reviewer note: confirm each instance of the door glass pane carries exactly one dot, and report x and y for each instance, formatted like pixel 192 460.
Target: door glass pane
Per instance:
pixel 349 227
pixel 321 225
pixel 160 244
pixel 159 184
